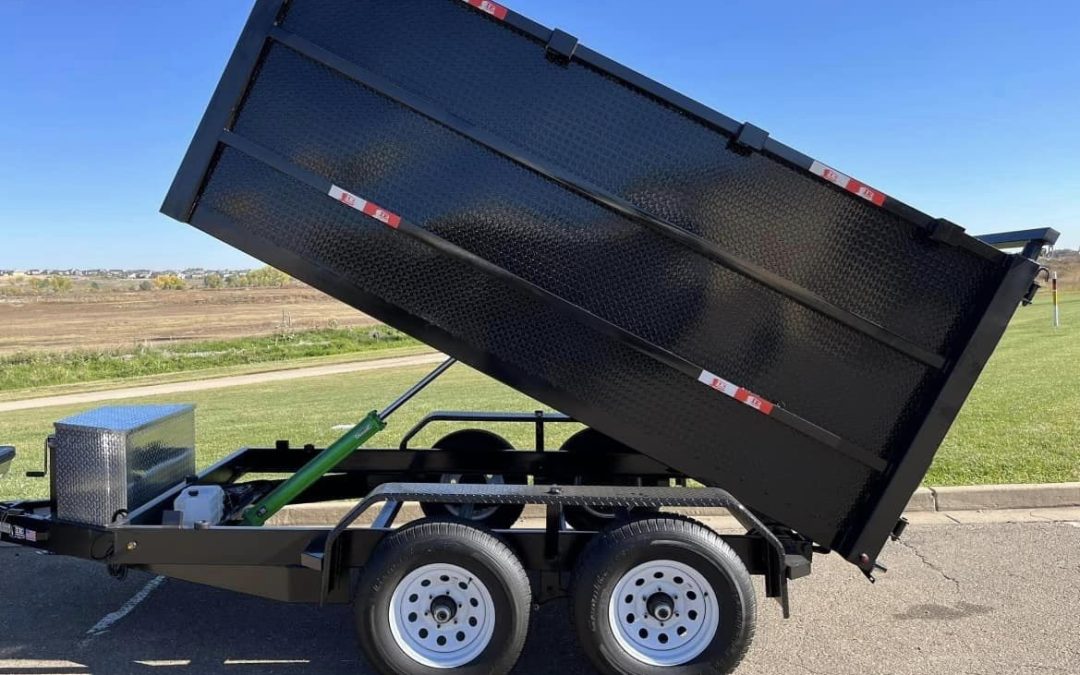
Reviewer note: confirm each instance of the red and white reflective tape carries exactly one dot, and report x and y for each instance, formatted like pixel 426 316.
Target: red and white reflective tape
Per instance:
pixel 364 206
pixel 736 392
pixel 848 183
pixel 493 8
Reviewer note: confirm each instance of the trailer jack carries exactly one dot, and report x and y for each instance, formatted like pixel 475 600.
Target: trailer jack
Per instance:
pixel 257 514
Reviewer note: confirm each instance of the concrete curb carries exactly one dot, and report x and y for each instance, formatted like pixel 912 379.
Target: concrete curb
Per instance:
pixel 987 497
pixel 925 500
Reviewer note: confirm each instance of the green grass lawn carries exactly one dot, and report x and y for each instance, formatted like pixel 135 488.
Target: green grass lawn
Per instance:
pixel 303 411
pixel 36 370
pixel 1021 424
pixel 387 352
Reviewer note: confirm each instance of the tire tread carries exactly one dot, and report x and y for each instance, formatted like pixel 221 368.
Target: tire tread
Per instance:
pixel 600 548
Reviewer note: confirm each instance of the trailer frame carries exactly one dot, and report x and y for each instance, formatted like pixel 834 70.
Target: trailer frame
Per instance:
pixel 316 564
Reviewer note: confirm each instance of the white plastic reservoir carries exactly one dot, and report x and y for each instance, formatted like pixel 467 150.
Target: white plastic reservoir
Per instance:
pixel 201 503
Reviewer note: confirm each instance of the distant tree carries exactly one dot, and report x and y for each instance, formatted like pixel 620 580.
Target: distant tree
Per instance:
pixel 60 284
pixel 213 280
pixel 170 282
pixel 268 277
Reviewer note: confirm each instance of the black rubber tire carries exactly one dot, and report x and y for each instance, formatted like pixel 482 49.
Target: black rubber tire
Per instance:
pixel 431 541
pixel 617 550
pixel 592 518
pixel 499 517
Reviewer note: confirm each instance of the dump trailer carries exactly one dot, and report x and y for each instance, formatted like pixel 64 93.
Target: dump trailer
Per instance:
pixel 709 304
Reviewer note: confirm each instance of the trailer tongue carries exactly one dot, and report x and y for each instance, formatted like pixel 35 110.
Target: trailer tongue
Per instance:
pixel 711 304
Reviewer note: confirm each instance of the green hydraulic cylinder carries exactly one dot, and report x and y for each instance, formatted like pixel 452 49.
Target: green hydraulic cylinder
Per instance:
pixel 323 463
pixel 284 494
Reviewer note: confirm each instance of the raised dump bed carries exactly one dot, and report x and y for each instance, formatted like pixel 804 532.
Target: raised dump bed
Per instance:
pixel 681 282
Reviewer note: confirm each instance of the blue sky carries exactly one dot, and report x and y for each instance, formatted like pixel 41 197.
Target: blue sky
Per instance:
pixel 966 110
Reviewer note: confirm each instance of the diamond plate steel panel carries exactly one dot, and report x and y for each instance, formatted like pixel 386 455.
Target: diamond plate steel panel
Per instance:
pixel 120 457
pixel 662 160
pixel 615 387
pixel 563 242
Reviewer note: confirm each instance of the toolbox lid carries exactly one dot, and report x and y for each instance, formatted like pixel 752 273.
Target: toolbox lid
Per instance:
pixel 124 417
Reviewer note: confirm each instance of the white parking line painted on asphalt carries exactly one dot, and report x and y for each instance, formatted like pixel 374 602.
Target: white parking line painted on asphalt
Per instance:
pixel 111 618
pixel 31 664
pixel 266 662
pixel 165 664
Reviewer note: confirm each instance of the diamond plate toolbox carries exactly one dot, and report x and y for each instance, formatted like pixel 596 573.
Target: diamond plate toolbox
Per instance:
pixel 117 458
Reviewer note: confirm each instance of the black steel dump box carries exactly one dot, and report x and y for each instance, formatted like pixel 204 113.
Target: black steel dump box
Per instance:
pixel 679 281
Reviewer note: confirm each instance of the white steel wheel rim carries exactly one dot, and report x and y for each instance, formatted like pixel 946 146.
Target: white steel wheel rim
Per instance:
pixel 677 591
pixel 470 511
pixel 422 596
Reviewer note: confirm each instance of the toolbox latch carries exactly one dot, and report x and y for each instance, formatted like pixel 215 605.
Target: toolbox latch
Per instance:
pixel 561 46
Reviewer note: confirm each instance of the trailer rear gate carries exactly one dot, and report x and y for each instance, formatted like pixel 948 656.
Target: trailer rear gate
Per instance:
pixel 676 280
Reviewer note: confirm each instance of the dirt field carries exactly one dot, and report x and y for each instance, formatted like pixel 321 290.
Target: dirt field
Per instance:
pixel 122 319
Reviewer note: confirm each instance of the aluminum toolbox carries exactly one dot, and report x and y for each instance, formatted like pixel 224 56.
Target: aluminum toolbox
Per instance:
pixel 118 458
pixel 675 279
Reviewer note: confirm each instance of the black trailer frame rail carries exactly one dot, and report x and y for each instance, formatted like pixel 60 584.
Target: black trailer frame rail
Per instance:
pixel 314 564
pixel 538 419
pixel 1031 242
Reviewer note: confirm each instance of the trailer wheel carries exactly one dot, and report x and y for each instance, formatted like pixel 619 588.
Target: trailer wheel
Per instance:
pixel 440 594
pixel 495 516
pixel 662 595
pixel 595 517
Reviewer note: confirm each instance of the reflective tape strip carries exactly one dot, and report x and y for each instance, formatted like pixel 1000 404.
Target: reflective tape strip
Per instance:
pixel 364 206
pixel 493 8
pixel 736 392
pixel 848 183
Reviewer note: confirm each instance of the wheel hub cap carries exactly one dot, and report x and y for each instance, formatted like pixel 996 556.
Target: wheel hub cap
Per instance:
pixel 443 608
pixel 663 613
pixel 441 616
pixel 661 606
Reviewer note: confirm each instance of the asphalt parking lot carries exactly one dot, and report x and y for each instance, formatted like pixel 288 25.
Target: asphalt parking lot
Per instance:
pixel 958 599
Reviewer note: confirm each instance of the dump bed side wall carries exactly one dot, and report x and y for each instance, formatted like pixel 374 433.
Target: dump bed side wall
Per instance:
pixel 633 244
